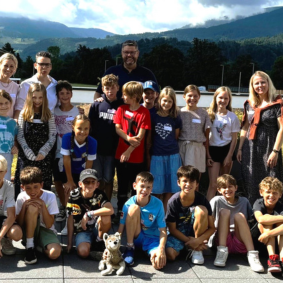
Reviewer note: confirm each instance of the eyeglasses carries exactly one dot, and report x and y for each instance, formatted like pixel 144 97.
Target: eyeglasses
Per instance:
pixel 47 65
pixel 130 52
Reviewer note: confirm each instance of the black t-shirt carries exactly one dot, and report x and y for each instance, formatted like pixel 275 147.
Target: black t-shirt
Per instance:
pixel 78 205
pixel 259 206
pixel 182 215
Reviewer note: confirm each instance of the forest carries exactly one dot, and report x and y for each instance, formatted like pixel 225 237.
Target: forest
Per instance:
pixel 174 62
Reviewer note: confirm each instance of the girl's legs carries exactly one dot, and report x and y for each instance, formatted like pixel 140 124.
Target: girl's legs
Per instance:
pixel 226 169
pixel 213 173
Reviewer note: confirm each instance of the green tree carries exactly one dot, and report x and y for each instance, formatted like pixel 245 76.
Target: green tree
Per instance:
pixel 203 62
pixel 277 73
pixel 167 63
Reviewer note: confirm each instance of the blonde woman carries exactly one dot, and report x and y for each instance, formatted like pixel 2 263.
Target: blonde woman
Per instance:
pixel 8 67
pixel 261 135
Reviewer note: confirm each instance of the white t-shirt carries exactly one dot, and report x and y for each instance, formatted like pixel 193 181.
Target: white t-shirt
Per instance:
pixel 51 93
pixel 63 121
pixel 7 191
pixel 12 88
pixel 49 199
pixel 222 129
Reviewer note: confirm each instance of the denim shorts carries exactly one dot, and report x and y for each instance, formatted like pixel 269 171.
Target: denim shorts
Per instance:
pixel 164 169
pixel 147 243
pixel 87 236
pixel 105 167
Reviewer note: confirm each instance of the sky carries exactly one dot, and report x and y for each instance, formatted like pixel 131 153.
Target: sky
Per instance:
pixel 134 16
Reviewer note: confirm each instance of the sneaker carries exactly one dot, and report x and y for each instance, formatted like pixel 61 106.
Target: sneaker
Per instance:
pixel 273 264
pixel 221 256
pixel 64 232
pixel 197 257
pixel 61 216
pixel 30 256
pixel 7 246
pixel 128 256
pixel 254 261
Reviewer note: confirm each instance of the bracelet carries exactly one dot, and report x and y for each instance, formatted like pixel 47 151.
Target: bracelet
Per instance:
pixel 275 150
pixel 88 214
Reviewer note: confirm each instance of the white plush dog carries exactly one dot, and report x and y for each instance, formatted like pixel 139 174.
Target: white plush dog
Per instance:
pixel 112 257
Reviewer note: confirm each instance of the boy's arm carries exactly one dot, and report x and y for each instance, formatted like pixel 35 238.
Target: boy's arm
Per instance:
pixel 133 141
pixel 176 233
pixel 70 226
pixel 267 219
pixel 47 218
pixel 70 185
pixel 158 256
pixel 106 210
pixel 198 242
pixel 121 229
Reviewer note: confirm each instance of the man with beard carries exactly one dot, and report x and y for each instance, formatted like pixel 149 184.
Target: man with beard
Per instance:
pixel 129 70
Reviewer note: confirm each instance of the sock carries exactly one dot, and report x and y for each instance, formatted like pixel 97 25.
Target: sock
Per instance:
pixel 30 243
pixel 130 245
pixel 98 239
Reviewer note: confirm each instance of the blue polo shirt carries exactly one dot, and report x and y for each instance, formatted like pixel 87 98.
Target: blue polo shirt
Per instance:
pixel 139 74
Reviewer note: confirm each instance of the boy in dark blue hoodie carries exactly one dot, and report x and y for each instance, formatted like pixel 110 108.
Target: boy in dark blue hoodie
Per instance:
pixel 101 116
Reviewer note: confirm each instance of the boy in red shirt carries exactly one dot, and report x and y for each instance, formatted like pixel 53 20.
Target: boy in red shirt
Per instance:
pixel 132 120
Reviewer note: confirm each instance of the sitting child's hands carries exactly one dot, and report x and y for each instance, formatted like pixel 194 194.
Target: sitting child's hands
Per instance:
pixel 84 221
pixel 264 237
pixel 158 258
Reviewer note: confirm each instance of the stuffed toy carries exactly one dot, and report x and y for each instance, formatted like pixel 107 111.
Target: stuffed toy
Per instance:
pixel 112 257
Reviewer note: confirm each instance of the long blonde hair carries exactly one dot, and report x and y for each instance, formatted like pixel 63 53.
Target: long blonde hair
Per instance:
pixel 168 91
pixel 28 111
pixel 213 106
pixel 253 97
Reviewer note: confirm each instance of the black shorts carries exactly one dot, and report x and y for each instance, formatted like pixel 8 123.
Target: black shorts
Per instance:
pixel 61 176
pixel 219 153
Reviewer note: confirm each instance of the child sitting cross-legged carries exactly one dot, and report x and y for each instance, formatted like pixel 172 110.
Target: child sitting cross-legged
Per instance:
pixel 35 210
pixel 188 217
pixel 89 213
pixel 268 212
pixel 231 215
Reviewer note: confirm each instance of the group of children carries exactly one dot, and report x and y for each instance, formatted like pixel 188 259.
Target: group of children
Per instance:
pixel 163 216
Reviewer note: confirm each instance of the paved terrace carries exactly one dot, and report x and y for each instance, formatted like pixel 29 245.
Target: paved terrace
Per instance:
pixel 69 268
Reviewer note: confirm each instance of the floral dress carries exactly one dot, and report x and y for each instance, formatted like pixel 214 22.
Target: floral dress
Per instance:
pixel 34 138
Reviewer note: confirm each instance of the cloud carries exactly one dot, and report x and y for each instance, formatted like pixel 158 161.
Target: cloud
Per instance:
pixel 127 16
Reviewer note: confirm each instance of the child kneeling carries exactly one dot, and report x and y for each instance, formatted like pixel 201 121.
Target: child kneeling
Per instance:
pixel 89 213
pixel 35 210
pixel 188 217
pixel 233 234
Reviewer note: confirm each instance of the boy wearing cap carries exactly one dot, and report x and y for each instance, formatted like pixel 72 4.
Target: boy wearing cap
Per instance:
pixel 150 94
pixel 89 213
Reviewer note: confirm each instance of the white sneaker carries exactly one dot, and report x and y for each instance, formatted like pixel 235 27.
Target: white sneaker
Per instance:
pixel 197 257
pixel 64 232
pixel 221 256
pixel 254 261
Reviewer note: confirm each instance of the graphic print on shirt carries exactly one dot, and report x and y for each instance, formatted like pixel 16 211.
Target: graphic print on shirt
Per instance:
pixel 63 124
pixel 6 137
pixel 220 129
pixel 132 127
pixel 163 130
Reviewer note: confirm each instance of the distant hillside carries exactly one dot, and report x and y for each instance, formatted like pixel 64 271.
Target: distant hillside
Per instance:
pixel 24 29
pixel 91 32
pixel 261 25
